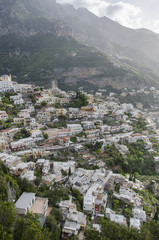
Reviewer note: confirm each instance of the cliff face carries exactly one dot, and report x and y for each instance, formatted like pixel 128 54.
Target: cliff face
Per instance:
pixel 96 78
pixel 43 40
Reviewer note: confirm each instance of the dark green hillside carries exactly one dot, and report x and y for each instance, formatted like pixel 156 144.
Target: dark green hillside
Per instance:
pixel 41 58
pixel 43 40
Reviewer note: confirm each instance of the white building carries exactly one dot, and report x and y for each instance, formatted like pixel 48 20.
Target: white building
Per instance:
pixel 24 114
pixel 22 143
pixel 57 133
pixel 18 101
pixel 135 223
pixel 3 115
pixel 28 202
pixel 16 97
pixel 29 175
pixel 139 214
pixel 6 84
pixel 24 203
pixel 120 219
pixel 75 128
pixel 88 202
pixel 88 125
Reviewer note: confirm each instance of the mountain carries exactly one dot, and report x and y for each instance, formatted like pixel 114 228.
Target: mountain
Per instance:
pixel 42 40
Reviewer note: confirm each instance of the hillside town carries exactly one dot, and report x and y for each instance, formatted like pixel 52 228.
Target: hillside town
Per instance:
pixel 89 143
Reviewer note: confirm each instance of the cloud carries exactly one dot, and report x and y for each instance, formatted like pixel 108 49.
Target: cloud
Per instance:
pixel 129 15
pixel 125 13
pixel 95 6
pixel 155 26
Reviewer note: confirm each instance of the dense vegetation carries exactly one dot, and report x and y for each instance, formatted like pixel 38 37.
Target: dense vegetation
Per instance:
pixel 146 99
pixel 138 159
pixel 113 231
pixel 80 100
pixel 44 57
pixel 28 227
pixel 35 58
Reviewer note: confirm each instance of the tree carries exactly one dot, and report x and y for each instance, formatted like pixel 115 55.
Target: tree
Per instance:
pixel 80 100
pixel 43 104
pixel 57 214
pixel 25 185
pixel 18 229
pixel 128 213
pixel 115 204
pixel 150 230
pixel 28 228
pixel 45 135
pixel 114 231
pixel 69 172
pixel 92 234
pixel 51 224
pixel 7 216
pixel 4 235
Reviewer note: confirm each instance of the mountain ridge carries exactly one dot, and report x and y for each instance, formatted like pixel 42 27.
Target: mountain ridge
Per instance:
pixel 35 20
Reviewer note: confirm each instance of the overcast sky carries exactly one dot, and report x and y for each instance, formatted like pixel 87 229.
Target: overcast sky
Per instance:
pixel 130 13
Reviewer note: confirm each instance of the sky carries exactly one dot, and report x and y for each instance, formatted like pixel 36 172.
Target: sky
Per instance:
pixel 130 13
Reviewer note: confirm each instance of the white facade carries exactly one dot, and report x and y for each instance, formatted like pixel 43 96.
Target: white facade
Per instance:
pixel 24 203
pixel 3 115
pixel 29 175
pixel 16 97
pixel 28 202
pixel 88 125
pixel 135 223
pixel 75 128
pixel 24 114
pixel 18 101
pixel 120 219
pixel 139 214
pixel 26 142
pixel 6 78
pixel 88 202
pixel 6 86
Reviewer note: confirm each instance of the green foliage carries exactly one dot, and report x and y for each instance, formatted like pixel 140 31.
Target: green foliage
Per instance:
pixel 80 100
pixel 115 205
pixel 4 125
pixel 25 186
pixel 42 53
pixel 45 135
pixel 6 181
pixel 117 187
pixel 92 234
pixel 113 231
pixel 51 224
pixel 139 125
pixel 43 104
pixel 138 159
pixel 146 99
pixel 128 213
pixel 55 195
pixel 7 216
pixel 57 125
pixel 23 133
pixel 4 235
pixel 73 139
pixel 62 117
pixel 78 198
pixel 32 98
pixel 95 147
pixel 28 228
pixel 57 214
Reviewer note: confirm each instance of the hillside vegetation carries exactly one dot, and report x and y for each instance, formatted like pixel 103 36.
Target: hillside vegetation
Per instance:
pixel 44 41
